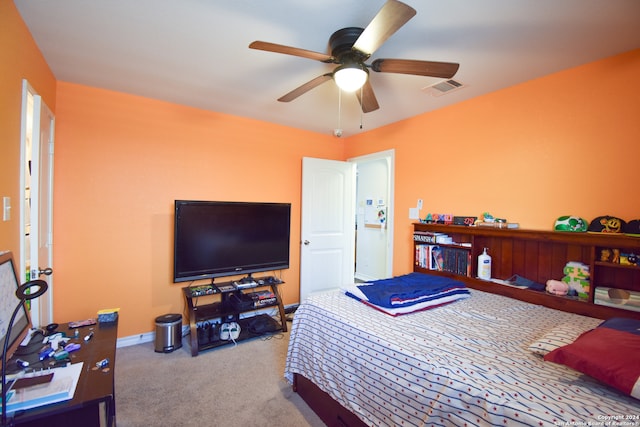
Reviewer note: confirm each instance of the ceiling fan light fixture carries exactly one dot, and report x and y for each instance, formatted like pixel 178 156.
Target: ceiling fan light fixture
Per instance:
pixel 350 77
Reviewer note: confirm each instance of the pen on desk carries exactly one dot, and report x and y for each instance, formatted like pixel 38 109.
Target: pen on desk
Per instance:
pixel 72 347
pixel 89 336
pixel 102 363
pixel 46 353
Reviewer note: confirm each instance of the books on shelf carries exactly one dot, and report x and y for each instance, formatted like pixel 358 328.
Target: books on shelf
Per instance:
pixel 444 258
pixel 431 237
pixel 510 225
pixel 425 236
pixel 262 298
pixel 264 302
pixel 437 258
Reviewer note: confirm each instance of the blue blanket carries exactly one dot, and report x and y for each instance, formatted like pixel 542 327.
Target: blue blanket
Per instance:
pixel 622 324
pixel 410 289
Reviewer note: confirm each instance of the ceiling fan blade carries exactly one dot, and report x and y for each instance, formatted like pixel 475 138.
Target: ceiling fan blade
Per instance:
pixel 389 19
pixel 444 70
pixel 367 99
pixel 301 90
pixel 288 50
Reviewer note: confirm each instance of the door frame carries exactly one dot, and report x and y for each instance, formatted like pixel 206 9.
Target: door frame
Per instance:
pixel 389 156
pixel 34 111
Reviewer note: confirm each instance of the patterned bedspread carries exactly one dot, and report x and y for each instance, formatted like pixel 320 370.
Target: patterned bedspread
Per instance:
pixel 463 364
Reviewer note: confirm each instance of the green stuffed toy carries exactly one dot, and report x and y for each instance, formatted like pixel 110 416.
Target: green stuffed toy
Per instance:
pixel 577 278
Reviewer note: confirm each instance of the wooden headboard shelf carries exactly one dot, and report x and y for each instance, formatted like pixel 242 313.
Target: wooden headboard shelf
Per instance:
pixel 539 256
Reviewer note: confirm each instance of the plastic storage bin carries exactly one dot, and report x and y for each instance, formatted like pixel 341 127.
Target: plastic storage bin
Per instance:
pixel 168 333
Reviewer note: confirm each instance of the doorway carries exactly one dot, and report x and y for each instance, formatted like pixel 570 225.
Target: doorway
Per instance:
pixel 374 216
pixel 36 204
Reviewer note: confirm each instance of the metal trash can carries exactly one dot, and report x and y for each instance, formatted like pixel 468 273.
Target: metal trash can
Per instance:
pixel 168 333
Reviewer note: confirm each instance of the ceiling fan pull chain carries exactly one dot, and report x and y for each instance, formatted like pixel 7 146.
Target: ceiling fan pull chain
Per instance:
pixel 361 112
pixel 339 128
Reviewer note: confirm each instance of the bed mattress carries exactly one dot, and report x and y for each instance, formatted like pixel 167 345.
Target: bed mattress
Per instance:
pixel 466 363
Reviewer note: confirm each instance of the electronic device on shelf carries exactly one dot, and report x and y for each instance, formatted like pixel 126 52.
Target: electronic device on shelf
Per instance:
pixel 269 280
pixel 245 285
pixel 197 291
pixel 227 287
pixel 250 282
pixel 217 239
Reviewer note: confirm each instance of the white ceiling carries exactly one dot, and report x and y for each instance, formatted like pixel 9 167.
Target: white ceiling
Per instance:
pixel 195 52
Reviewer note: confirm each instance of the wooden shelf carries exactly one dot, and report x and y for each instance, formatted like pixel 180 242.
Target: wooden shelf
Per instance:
pixel 540 256
pixel 616 265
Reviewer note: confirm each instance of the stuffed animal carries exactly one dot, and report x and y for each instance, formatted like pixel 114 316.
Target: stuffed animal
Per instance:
pixel 557 287
pixel 487 217
pixel 577 278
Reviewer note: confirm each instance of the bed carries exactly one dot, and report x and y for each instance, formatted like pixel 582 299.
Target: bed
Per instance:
pixel 477 361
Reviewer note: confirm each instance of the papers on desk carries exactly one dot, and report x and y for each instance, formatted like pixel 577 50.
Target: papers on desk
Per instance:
pixel 61 387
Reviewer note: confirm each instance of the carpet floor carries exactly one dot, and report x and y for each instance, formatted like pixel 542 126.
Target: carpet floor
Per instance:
pixel 229 386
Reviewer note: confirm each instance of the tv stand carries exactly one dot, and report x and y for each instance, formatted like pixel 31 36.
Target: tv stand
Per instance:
pixel 224 303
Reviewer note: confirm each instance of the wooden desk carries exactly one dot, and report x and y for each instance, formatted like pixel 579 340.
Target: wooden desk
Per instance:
pixel 93 403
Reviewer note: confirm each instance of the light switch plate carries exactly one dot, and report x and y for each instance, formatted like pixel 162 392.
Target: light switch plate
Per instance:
pixel 6 208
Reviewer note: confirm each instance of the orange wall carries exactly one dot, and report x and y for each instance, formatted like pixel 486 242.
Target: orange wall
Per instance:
pixel 120 163
pixel 565 144
pixel 20 59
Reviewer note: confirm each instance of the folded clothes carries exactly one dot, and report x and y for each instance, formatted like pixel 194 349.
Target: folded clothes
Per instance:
pixel 524 282
pixel 421 306
pixel 410 289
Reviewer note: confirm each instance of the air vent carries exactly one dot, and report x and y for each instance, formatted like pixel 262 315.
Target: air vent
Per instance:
pixel 444 87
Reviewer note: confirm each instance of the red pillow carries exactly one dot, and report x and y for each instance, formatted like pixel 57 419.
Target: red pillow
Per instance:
pixel 605 354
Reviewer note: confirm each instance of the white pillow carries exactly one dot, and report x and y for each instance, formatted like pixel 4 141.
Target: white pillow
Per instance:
pixel 557 337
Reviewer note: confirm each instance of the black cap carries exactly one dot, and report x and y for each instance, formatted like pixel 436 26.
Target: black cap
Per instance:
pixel 607 224
pixel 633 228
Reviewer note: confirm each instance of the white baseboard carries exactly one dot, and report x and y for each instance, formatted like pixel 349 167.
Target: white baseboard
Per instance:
pixel 151 336
pixel 143 338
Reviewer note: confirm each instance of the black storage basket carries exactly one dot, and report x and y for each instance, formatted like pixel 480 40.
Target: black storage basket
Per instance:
pixel 240 301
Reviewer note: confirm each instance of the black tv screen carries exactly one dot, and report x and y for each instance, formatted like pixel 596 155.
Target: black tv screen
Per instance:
pixel 216 239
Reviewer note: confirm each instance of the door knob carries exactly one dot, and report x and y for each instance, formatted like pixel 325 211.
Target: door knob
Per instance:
pixel 306 242
pixel 46 271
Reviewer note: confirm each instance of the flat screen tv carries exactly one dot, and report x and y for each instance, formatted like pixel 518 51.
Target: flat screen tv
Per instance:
pixel 8 302
pixel 217 239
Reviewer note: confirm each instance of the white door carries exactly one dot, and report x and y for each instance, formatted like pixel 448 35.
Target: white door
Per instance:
pixel 328 225
pixel 38 204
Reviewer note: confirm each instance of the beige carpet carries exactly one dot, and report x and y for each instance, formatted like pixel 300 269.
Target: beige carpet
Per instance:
pixel 229 386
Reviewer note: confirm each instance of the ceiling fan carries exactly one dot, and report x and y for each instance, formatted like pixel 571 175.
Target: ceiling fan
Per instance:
pixel 350 47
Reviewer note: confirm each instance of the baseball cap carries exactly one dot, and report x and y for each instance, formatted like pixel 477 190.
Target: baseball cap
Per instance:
pixel 607 224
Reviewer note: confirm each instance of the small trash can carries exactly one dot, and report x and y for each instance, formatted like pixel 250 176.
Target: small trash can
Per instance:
pixel 168 333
